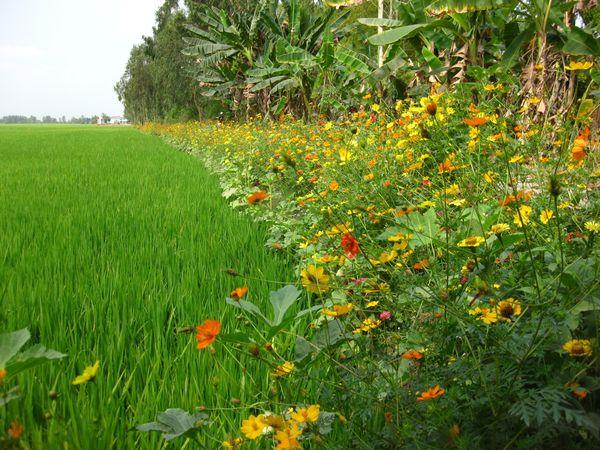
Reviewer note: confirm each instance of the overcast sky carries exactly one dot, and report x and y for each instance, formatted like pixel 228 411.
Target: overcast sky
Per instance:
pixel 63 57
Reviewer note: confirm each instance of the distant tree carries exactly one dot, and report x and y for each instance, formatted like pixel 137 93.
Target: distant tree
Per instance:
pixel 105 118
pixel 94 119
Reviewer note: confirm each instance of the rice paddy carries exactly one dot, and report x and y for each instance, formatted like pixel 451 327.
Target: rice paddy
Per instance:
pixel 112 246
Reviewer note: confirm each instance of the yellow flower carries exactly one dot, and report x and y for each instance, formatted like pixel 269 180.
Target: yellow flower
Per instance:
pixel 345 155
pixel 307 415
pixel 546 215
pixel 522 219
pixel 284 369
pixel 473 241
pixel 579 65
pixel 516 159
pixel 372 304
pixel 338 310
pixel 328 126
pixel 499 228
pixel 233 443
pixel 578 347
pixel 486 315
pixel 287 438
pixel 507 309
pixel 592 226
pixel 367 325
pixel 375 107
pixel 315 280
pixel 253 427
pixel 385 257
pixel 89 373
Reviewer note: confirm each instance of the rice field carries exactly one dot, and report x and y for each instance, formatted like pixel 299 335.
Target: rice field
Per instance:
pixel 111 244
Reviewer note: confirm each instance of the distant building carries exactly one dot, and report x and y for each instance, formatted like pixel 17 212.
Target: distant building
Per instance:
pixel 114 120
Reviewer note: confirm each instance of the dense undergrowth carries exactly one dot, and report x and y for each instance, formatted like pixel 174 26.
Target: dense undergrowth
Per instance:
pixel 449 246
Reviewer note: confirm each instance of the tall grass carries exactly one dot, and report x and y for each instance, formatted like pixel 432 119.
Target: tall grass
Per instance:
pixel 110 241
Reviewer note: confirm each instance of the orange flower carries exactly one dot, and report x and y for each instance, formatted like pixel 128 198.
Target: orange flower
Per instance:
pixel 423 264
pixel 413 354
pixel 2 375
pixel 334 185
pixel 288 438
pixel 476 121
pixel 238 293
pixel 446 167
pixel 207 333
pixel 578 150
pixel 15 430
pixel 431 393
pixel 577 390
pixel 258 196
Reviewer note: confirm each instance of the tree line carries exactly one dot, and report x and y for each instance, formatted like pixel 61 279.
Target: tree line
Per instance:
pixel 309 58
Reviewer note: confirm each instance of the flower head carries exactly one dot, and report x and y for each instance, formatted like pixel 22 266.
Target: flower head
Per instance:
pixel 350 246
pixel 287 438
pixel 307 415
pixel 256 197
pixel 413 354
pixel 2 375
pixel 284 369
pixel 338 310
pixel 592 226
pixel 431 393
pixel 238 293
pixel 472 242
pixel 499 228
pixel 89 374
pixel 253 427
pixel 579 65
pixel 207 333
pixel 508 309
pixel 578 348
pixel 315 280
pixel 15 430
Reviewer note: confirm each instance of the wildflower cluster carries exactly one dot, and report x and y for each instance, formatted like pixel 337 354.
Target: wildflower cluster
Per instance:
pixel 445 283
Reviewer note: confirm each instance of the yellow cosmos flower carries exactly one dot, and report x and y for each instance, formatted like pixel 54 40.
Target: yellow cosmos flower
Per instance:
pixel 372 304
pixel 284 369
pixel 507 309
pixel 522 218
pixel 375 107
pixel 253 427
pixel 578 347
pixel 499 228
pixel 89 374
pixel 486 315
pixel 337 310
pixel 345 154
pixel 546 215
pixel 307 415
pixel 233 443
pixel 384 258
pixel 592 226
pixel 579 65
pixel 287 438
pixel 471 242
pixel 315 280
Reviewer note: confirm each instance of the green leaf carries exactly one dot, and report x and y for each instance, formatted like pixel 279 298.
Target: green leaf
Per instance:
pixel 329 334
pixel 32 357
pixel 377 22
pixel 351 60
pixel 441 7
pixel 580 42
pixel 281 300
pixel 11 343
pixel 174 423
pixel 396 34
pixel 511 54
pixel 432 60
pixel 248 307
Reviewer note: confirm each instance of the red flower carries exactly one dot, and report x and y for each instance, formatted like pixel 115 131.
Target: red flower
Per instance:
pixel 350 245
pixel 207 333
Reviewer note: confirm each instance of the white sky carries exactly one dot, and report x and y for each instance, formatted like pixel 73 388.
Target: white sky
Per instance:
pixel 63 57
